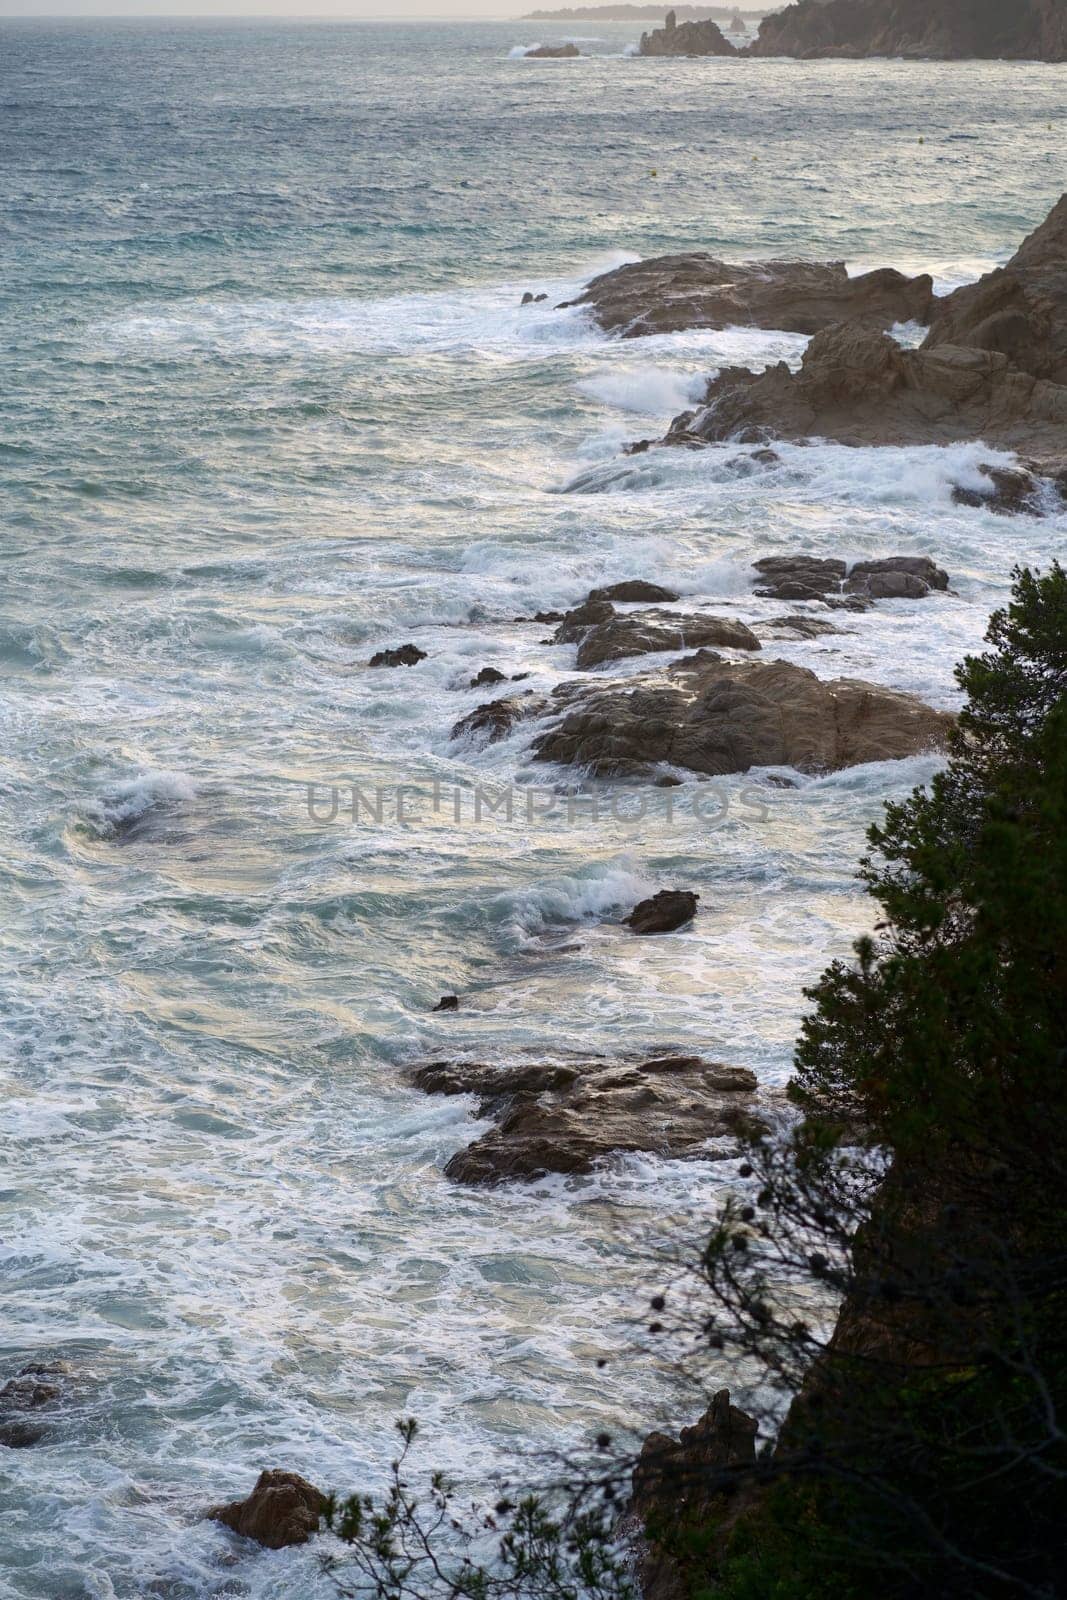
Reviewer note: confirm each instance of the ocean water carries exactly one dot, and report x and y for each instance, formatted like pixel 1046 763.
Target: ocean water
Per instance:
pixel 270 403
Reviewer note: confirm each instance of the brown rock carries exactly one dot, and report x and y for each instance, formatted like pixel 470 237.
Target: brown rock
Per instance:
pixel 796 628
pixel 716 717
pixel 632 590
pixel 561 1118
pixel 283 1509
pixel 644 632
pixel 487 676
pixel 696 290
pixel 663 912
pixel 859 388
pixel 494 719
pixel 1020 310
pixel 405 655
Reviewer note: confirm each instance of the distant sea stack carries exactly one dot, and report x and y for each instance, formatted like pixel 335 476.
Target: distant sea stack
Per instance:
pixel 939 30
pixel 686 39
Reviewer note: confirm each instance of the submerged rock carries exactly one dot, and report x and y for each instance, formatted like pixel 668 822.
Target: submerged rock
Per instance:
pixel 283 1509
pixel 717 717
pixel 487 676
pixel 562 1118
pixel 795 627
pixel 663 912
pixel 405 655
pixel 448 1002
pixel 695 290
pixel 553 52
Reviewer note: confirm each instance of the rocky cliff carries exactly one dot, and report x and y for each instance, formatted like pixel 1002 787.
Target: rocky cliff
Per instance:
pixel 942 30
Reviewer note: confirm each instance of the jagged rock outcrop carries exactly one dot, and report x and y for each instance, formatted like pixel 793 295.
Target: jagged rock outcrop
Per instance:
pixel 563 1118
pixel 689 1484
pixel 943 30
pixel 861 388
pixel 716 717
pixel 405 655
pixel 1019 310
pixel 703 38
pixel 283 1509
pixel 612 636
pixel 696 290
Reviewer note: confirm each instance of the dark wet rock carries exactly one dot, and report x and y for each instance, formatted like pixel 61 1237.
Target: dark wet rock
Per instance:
pixel 691 1482
pixel 668 293
pixel 34 1386
pixel 861 388
pixel 799 577
pixel 494 719
pixel 927 30
pixel 1020 310
pixel 716 717
pixel 552 1118
pixel 864 575
pixel 283 1509
pixel 1007 490
pixel 541 616
pixel 704 38
pixel 634 591
pixel 663 912
pixel 487 676
pixel 448 1002
pixel 644 632
pixel 576 623
pixel 529 299
pixel 792 627
pixel 405 655
pixel 553 52
pixel 17 1435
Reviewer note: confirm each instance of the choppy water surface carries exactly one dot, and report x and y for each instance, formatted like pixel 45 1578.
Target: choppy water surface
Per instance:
pixel 270 403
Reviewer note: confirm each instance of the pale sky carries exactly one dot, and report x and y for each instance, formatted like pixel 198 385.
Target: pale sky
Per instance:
pixel 288 10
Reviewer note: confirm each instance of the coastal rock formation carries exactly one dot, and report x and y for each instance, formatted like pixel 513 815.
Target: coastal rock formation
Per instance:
pixel 283 1509
pixel 1020 310
pixel 663 912
pixel 691 1481
pixel 943 30
pixel 634 591
pixel 695 290
pixel 553 52
pixel 716 717
pixel 33 1388
pixel 561 1118
pixel 860 388
pixel 704 38
pixel 612 636
pixel 804 577
pixel 793 627
pixel 405 655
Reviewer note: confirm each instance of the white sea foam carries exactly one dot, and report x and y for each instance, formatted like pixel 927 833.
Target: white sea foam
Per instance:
pixel 126 802
pixel 648 389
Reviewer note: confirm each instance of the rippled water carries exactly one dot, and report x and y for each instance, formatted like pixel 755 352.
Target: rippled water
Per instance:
pixel 269 404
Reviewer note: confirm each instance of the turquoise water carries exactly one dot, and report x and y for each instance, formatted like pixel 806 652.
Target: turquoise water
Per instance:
pixel 270 403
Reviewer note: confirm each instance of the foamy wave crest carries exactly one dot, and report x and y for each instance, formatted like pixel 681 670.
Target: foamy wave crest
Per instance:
pixel 122 805
pixel 533 913
pixel 870 475
pixel 647 389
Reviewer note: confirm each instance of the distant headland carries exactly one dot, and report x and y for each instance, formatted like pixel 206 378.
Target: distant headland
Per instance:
pixel 637 13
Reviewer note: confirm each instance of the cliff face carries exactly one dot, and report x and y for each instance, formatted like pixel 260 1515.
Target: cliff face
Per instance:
pixel 686 39
pixel 927 29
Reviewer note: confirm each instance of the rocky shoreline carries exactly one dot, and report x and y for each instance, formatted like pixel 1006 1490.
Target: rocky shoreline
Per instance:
pixel 916 30
pixel 992 367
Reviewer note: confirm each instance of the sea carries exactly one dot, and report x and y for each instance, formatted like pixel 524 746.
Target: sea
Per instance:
pixel 269 402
